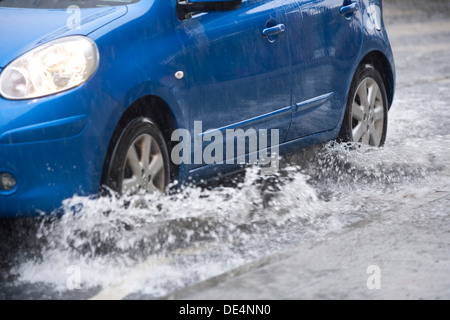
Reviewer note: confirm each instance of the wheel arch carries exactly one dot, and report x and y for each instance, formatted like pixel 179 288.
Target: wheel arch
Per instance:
pixel 379 61
pixel 154 108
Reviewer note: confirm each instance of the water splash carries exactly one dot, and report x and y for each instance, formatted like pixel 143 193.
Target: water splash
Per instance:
pixel 206 231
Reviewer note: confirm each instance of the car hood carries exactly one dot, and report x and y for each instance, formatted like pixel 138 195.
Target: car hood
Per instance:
pixel 24 29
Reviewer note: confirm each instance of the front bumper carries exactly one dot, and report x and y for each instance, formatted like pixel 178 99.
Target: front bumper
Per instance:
pixel 54 147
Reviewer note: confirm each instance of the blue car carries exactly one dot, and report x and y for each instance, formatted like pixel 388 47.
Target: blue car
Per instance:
pixel 129 95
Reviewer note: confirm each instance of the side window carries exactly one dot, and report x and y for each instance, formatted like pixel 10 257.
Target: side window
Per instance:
pixel 187 8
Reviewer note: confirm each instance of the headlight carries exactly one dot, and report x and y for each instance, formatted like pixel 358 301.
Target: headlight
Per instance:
pixel 53 67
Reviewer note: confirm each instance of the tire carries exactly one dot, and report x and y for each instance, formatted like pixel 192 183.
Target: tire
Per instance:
pixel 139 161
pixel 366 114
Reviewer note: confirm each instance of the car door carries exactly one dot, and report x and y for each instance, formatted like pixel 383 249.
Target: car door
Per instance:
pixel 237 77
pixel 325 44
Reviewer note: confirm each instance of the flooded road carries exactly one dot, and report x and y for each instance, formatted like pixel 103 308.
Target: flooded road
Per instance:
pixel 331 212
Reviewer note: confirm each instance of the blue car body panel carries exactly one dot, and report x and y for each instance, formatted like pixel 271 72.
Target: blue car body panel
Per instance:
pixel 237 78
pixel 295 80
pixel 24 29
pixel 327 47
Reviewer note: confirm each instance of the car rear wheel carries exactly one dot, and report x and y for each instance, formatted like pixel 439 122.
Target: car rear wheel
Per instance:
pixel 365 119
pixel 140 161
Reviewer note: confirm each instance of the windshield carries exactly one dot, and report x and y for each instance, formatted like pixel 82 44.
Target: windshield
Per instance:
pixel 62 4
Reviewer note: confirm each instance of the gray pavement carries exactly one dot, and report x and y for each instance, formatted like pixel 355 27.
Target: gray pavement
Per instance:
pixel 338 265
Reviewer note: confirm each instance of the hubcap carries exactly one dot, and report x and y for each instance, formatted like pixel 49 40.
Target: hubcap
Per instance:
pixel 368 113
pixel 144 167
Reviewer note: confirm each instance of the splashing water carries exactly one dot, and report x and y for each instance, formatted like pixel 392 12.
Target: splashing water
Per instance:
pixel 197 233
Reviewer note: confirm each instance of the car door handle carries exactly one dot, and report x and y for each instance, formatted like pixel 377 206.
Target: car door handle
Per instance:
pixel 272 31
pixel 349 9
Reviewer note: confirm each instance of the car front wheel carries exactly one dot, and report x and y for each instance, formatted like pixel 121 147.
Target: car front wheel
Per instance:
pixel 140 161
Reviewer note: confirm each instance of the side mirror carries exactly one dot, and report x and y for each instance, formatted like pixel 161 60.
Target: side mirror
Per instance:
pixel 185 8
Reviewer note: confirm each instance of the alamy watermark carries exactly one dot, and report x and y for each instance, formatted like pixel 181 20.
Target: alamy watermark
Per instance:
pixel 74 19
pixel 373 20
pixel 73 277
pixel 228 146
pixel 374 280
